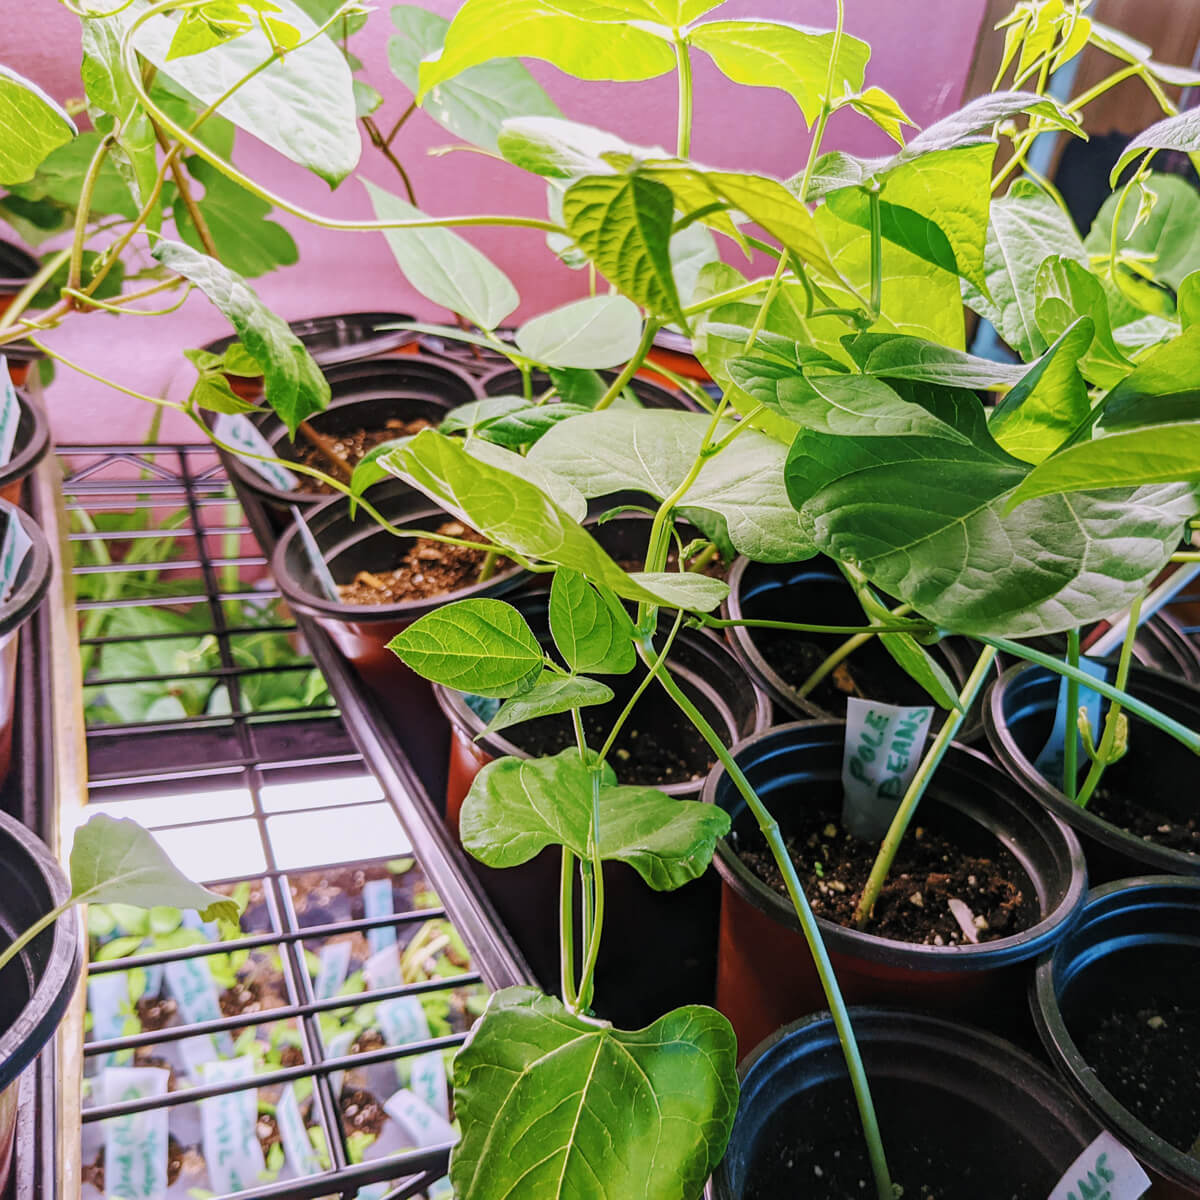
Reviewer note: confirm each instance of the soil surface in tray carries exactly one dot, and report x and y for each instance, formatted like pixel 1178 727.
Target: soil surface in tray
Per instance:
pixel 361 1112
pixel 326 897
pixel 93 1172
pixel 427 569
pixel 353 447
pixel 929 871
pixel 1144 819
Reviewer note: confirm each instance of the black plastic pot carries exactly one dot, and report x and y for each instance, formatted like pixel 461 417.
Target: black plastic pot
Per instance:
pixel 362 632
pixel 364 393
pixel 657 949
pixel 17 268
pixel 765 975
pixel 30 447
pixel 1019 714
pixel 960 1111
pixel 1137 942
pixel 343 337
pixel 507 382
pixel 30 586
pixel 816 592
pixel 37 986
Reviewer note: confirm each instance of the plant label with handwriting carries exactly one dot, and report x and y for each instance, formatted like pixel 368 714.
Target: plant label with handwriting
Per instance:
pixel 191 983
pixel 135 1145
pixel 1051 762
pixel 238 431
pixel 335 962
pixel 377 900
pixel 109 1004
pixel 403 1021
pixel 1104 1171
pixel 427 1079
pixel 296 1145
pixel 10 413
pixel 232 1150
pixel 881 755
pixel 420 1122
pixel 382 969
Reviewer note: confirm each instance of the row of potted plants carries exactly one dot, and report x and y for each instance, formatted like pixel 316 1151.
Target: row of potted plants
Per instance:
pixel 849 425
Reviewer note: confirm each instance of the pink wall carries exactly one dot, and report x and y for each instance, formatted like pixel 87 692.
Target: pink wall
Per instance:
pixel 924 64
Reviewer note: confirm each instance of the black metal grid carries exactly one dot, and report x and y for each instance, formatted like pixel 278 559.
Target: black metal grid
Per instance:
pixel 164 772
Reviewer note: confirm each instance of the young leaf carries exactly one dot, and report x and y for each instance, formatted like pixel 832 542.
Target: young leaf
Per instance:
pixel 792 58
pixel 601 331
pixel 652 451
pixel 896 356
pixel 518 806
pixel 1066 290
pixel 884 110
pixel 302 105
pixel 1181 132
pixel 549 695
pixel 294 386
pixel 594 637
pixel 922 668
pixel 623 224
pixel 473 104
pixel 118 862
pixel 480 646
pixel 444 267
pixel 558 31
pixel 1162 388
pixel 1026 228
pixel 561 149
pixel 35 125
pixel 1189 300
pixel 539 1091
pixel 525 425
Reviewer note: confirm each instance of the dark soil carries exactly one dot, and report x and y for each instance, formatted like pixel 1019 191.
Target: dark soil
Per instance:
pixel 427 569
pixel 155 1012
pixel 353 447
pixel 715 569
pixel 93 1173
pixel 315 893
pixel 930 870
pixel 1146 820
pixel 361 1112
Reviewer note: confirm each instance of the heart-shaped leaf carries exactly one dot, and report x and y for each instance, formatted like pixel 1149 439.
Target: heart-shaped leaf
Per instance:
pixel 550 695
pixel 480 646
pixel 541 1091
pixel 601 331
pixel 594 637
pixel 1181 132
pixel 34 125
pixel 518 806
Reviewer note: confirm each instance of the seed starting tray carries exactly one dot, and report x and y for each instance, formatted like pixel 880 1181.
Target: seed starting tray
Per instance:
pixel 285 1053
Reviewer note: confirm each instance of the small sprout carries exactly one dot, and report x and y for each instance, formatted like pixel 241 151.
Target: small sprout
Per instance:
pixel 830 830
pixel 819 870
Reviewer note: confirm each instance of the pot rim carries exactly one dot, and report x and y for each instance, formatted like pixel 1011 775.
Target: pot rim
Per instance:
pixel 270 423
pixel 27 456
pixel 12 256
pixel 1015 947
pixel 1026 775
pixel 302 327
pixel 33 579
pixel 672 401
pixel 310 603
pixel 22 1041
pixel 1061 1047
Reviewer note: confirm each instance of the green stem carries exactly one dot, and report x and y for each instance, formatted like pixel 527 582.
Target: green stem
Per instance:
pixel 708 622
pixel 1071 746
pixel 566 927
pixel 597 873
pixel 826 100
pixel 760 318
pixel 11 951
pixel 845 650
pixel 808 924
pixel 876 255
pixel 83 211
pixel 683 143
pixel 631 367
pixel 1139 708
pixel 706 556
pixel 487 568
pixel 738 293
pixel 20 302
pixel 916 789
pixel 1112 721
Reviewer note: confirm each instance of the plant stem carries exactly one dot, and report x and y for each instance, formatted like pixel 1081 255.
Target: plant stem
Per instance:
pixel 760 317
pixel 683 142
pixel 487 568
pixel 597 873
pixel 826 100
pixel 798 627
pixel 84 209
pixel 20 302
pixel 876 255
pixel 185 194
pixel 845 650
pixel 384 146
pixel 709 554
pixel 631 367
pixel 324 446
pixel 74 366
pixel 1112 720
pixel 400 120
pixel 808 924
pixel 566 927
pixel 11 951
pixel 1071 746
pixel 916 789
pixel 740 292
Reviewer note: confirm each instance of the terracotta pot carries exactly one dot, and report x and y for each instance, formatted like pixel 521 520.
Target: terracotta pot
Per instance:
pixel 657 949
pixel 674 351
pixel 1135 938
pixel 976 1112
pixel 365 393
pixel 362 632
pixel 765 975
pixel 1019 712
pixel 36 988
pixel 507 382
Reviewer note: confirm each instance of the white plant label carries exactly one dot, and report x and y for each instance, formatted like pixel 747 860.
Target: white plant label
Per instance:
pixel 191 983
pixel 339 1046
pixel 296 1146
pixel 232 1150
pixel 1104 1171
pixel 135 1146
pixel 427 1079
pixel 403 1021
pixel 335 962
pixel 419 1121
pixel 377 899
pixel 239 432
pixel 13 549
pixel 109 1004
pixel 196 1051
pixel 881 755
pixel 382 969
pixel 1052 760
pixel 316 559
pixel 10 413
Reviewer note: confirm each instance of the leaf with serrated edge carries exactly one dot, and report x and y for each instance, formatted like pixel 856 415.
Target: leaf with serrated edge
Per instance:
pixel 551 694
pixel 593 637
pixel 601 331
pixel 539 1091
pixel 293 384
pixel 118 862
pixel 518 806
pixel 444 267
pixel 517 514
pixel 481 646
pixel 652 451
